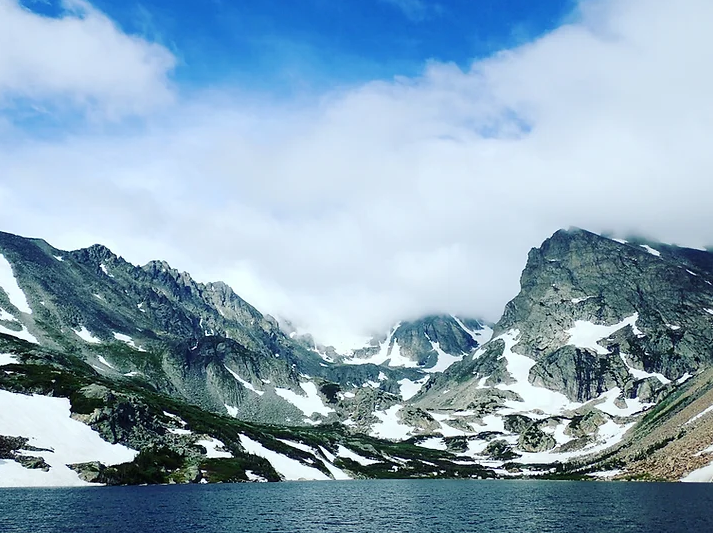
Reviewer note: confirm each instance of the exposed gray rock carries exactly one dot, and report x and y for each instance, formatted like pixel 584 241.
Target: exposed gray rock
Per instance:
pixel 535 440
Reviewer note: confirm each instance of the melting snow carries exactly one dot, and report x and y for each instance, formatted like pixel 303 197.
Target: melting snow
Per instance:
pixel 481 336
pixel 58 258
pixel 434 443
pixel 22 334
pixel 244 383
pixel 651 250
pixel 86 335
pixel 212 449
pixel 348 454
pixel 254 477
pixel 310 404
pixel 518 366
pixel 12 289
pixel 700 415
pixel 389 425
pixel 633 405
pixel 298 445
pixel 409 389
pixel 641 374
pixel 8 359
pixel 289 469
pixel 175 417
pixel 685 377
pixel 48 424
pixel 4 315
pixel 702 475
pixel 709 311
pixel 396 359
pixel 388 351
pixel 232 410
pixel 586 334
pixel 105 362
pixel 605 474
pixel 128 340
pixel 445 360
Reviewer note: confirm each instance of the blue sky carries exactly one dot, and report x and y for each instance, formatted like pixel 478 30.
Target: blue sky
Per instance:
pixel 288 46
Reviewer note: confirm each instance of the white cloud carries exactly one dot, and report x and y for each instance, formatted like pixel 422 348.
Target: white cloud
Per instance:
pixel 418 195
pixel 81 59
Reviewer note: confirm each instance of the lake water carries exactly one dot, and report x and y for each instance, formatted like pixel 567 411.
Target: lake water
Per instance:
pixel 364 507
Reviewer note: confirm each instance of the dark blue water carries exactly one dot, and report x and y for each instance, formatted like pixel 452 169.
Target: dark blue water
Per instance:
pixel 364 507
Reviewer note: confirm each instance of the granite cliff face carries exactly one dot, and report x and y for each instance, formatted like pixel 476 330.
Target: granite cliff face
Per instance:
pixel 601 332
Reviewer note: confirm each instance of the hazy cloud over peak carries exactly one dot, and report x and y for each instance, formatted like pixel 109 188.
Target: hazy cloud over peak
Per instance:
pixel 398 198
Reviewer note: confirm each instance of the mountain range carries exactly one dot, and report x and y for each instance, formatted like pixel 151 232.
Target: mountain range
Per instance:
pixel 113 373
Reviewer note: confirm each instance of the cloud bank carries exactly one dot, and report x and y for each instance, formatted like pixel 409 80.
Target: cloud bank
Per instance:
pixel 392 199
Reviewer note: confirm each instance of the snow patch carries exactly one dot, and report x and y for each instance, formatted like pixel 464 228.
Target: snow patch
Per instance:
pixel 606 474
pixel 244 383
pixel 445 360
pixel 481 336
pixel 86 335
pixel 232 410
pixel 8 359
pixel 9 283
pixel 289 469
pixel 215 449
pixel 633 405
pixel 23 334
pixel 105 362
pixel 699 415
pixel 434 443
pixel 128 341
pixel 389 425
pixel 310 404
pixel 533 398
pixel 587 335
pixel 48 424
pixel 651 250
pixel 641 374
pixel 255 478
pixel 409 389
pixel 348 454
pixel 702 475
pixel 7 317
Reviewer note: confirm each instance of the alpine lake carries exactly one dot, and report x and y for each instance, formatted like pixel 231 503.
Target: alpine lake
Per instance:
pixel 373 506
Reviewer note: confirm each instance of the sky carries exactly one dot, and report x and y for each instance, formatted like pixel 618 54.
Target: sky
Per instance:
pixel 346 164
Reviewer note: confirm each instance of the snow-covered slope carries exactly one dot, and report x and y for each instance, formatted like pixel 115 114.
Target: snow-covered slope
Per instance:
pixel 55 437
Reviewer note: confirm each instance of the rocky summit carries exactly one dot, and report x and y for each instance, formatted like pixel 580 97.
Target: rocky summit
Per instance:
pixel 600 367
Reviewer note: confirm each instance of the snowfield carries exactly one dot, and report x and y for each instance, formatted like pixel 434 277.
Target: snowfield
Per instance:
pixel 47 423
pixel 290 469
pixel 309 404
pixel 12 289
